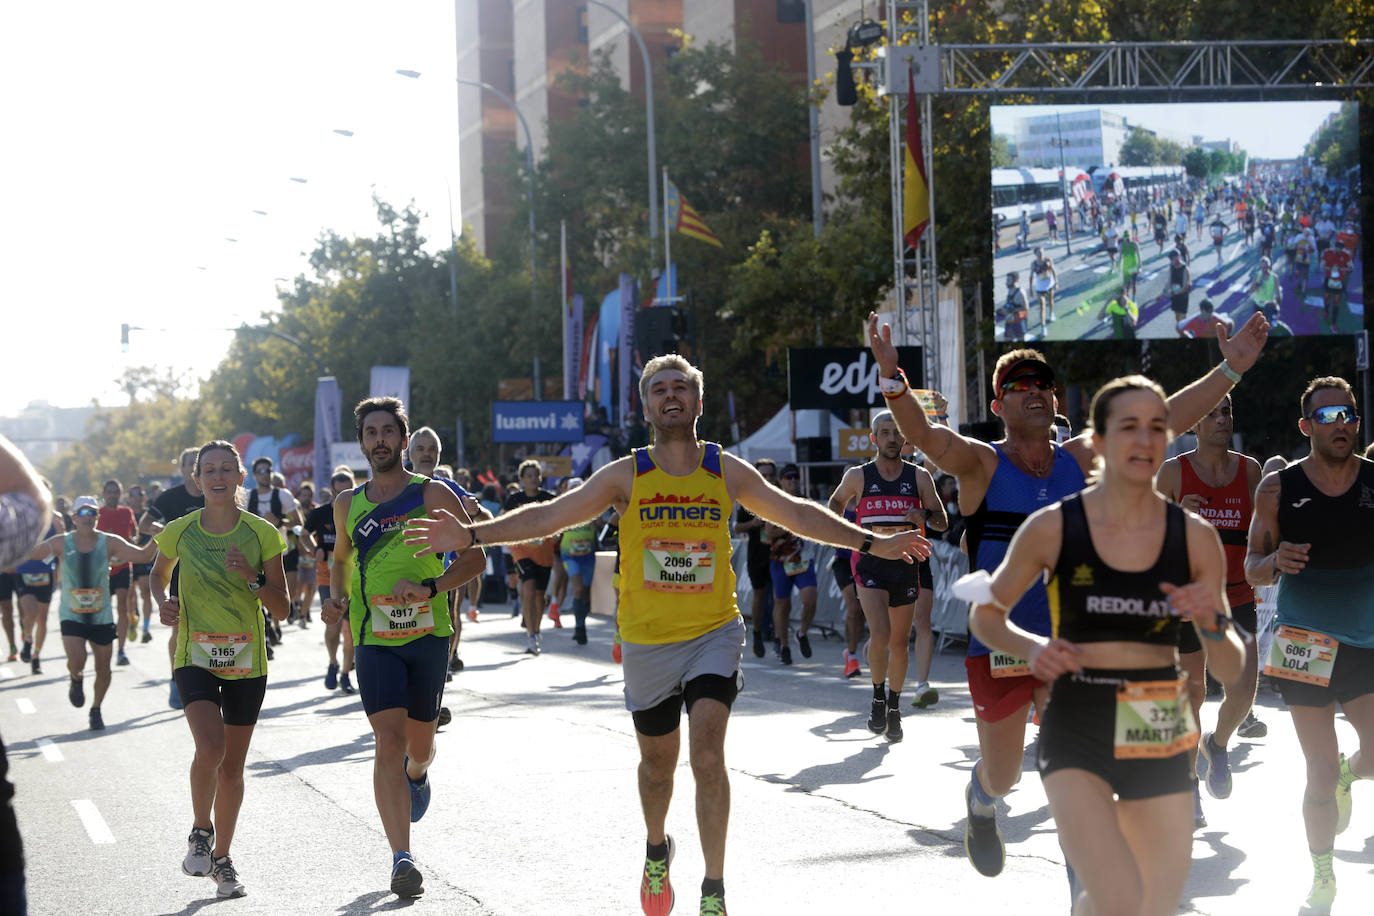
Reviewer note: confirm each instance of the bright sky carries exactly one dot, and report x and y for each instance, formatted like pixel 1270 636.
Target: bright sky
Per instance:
pixel 142 135
pixel 1267 130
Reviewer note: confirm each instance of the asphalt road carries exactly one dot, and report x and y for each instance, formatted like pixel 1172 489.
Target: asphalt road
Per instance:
pixel 535 809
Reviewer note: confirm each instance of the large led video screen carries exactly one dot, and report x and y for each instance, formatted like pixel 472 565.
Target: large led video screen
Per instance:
pixel 1165 221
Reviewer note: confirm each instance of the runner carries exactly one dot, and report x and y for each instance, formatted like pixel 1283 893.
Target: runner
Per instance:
pixel 533 561
pixel 306 579
pixel 271 500
pixel 1218 228
pixel 683 635
pixel 1180 284
pixel 1044 280
pixel 1123 565
pixel 400 625
pixel 33 588
pixel 317 536
pixel 140 591
pixel 757 558
pixel 1013 314
pixel 7 586
pixel 1130 263
pixel 1000 484
pixel 84 612
pixel 1219 485
pixel 578 550
pixel 1265 287
pixel 1123 314
pixel 168 506
pixel 230 563
pixel 792 565
pixel 1310 533
pixel 1205 323
pixel 892 495
pixel 120 520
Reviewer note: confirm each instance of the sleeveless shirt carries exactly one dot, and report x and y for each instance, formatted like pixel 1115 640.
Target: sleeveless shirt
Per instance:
pixel 1228 508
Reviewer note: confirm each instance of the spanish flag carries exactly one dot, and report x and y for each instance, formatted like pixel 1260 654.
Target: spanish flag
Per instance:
pixel 915 190
pixel 682 218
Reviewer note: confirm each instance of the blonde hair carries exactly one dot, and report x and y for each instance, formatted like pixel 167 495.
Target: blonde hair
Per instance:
pixel 670 361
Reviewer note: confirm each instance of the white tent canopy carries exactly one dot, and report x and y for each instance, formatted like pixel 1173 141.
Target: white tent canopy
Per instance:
pixel 775 439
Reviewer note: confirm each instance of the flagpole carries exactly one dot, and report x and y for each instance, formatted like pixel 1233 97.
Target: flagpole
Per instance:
pixel 563 287
pixel 668 283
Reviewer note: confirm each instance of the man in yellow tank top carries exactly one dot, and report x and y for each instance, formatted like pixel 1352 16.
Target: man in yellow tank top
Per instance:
pixel 682 633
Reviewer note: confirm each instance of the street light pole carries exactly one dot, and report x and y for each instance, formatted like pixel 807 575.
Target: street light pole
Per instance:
pixel 648 111
pixel 1063 186
pixel 529 171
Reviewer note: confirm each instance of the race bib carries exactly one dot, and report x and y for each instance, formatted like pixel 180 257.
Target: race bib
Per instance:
pixel 37 579
pixel 1334 282
pixel 230 654
pixel 1301 655
pixel 578 546
pixel 679 566
pixel 1153 719
pixel 890 529
pixel 795 567
pixel 87 600
pixel 1004 664
pixel 392 618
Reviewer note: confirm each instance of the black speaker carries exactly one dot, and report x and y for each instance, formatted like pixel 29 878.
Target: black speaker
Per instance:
pixel 813 448
pixel 654 332
pixel 846 93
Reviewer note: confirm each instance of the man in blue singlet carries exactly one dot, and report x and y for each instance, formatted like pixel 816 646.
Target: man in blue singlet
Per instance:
pixel 1000 484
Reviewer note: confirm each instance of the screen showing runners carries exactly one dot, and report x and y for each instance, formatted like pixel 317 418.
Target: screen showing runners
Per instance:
pixel 1116 222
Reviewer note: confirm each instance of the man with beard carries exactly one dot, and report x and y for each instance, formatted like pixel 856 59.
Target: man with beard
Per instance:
pixel 170 505
pixel 1310 533
pixel 399 622
pixel 1000 485
pixel 681 630
pixel 892 495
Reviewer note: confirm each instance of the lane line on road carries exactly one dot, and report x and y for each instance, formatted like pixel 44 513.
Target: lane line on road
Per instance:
pixel 90 819
pixel 6 673
pixel 50 750
pixel 25 705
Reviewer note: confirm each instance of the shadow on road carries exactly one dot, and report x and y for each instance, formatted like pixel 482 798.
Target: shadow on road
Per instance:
pixel 854 770
pixel 377 902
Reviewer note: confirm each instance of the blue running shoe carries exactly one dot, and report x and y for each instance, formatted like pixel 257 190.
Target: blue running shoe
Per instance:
pixel 331 677
pixel 419 795
pixel 174 700
pixel 1214 766
pixel 406 880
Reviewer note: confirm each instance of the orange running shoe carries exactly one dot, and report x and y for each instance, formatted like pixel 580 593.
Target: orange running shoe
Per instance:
pixel 556 617
pixel 472 614
pixel 655 890
pixel 615 649
pixel 851 664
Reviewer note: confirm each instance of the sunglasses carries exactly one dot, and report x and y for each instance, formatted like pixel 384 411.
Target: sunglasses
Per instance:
pixel 1026 383
pixel 1335 413
pixel 86 513
pixel 791 476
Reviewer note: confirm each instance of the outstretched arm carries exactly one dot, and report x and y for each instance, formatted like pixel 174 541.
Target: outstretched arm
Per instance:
pixel 1240 350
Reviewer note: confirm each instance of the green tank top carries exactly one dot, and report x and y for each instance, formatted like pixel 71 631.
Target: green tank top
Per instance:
pixel 221 626
pixel 380 558
pixel 85 582
pixel 579 541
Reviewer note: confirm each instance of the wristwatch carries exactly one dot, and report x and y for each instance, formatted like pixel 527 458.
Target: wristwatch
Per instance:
pixel 433 586
pixel 261 581
pixel 867 546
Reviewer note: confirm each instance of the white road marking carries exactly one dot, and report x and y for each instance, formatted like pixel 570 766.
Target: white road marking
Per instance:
pixel 5 672
pixel 1103 269
pixel 25 705
pixel 92 821
pixel 50 750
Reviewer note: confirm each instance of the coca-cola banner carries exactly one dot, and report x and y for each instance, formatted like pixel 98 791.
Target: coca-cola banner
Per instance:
pixel 827 378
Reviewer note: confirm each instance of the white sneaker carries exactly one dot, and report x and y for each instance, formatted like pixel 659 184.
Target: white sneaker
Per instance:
pixel 531 645
pixel 227 879
pixel 199 860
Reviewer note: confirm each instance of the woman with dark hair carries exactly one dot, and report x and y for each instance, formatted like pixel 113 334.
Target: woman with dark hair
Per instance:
pixel 1127 570
pixel 230 563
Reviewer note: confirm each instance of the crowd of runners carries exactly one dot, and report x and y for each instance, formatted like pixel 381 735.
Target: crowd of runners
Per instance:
pixel 1107 582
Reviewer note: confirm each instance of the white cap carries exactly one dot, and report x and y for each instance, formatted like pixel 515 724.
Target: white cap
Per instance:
pixel 84 502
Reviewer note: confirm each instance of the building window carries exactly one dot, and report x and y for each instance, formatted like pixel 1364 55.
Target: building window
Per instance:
pixel 582 24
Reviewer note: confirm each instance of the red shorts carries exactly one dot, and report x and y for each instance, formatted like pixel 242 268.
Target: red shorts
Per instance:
pixel 995 698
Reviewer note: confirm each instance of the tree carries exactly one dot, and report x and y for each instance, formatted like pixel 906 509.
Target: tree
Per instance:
pixel 1141 148
pixel 1001 153
pixel 1197 163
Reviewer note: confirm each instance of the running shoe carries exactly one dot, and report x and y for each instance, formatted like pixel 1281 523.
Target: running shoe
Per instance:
pixel 122 658
pixel 785 655
pixel 580 634
pixel 712 905
pixel 37 668
pixel 556 617
pixel 758 644
pixel 331 677
pixel 1323 892
pixel 14 654
pixel 303 621
pixel 174 701
pixel 454 665
pixel 445 716
pixel 147 637
pixel 97 720
pixel 804 644
pixel 894 725
pixel 1343 800
pixel 472 614
pixel 226 879
pixel 77 693
pixel 419 794
pixel 199 860
pixel 345 684
pixel 406 880
pixel 27 652
pixel 1214 767
pixel 982 840
pixel 851 664
pixel 133 632
pixel 1252 727
pixel 877 720
pixel 616 653
pixel 655 888
pixel 1199 819
pixel 270 654
pixel 924 696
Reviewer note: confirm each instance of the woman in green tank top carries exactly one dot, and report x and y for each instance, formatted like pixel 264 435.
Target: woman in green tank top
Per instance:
pixel 84 613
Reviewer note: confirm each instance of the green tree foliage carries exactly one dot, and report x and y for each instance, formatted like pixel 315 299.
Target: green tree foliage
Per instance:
pixel 1001 154
pixel 1337 145
pixel 1141 147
